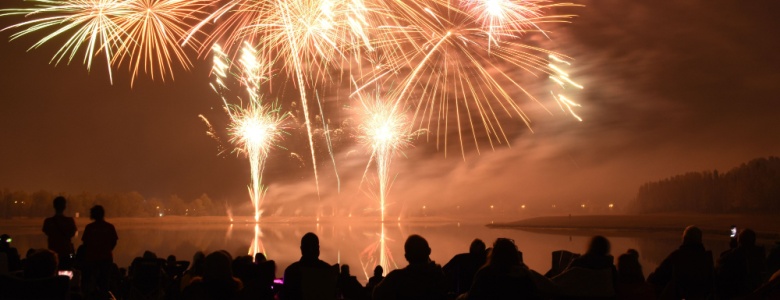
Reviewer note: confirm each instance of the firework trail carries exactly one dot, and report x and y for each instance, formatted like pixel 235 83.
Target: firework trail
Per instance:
pixel 255 128
pixel 92 23
pixel 152 31
pixel 561 78
pixel 385 131
pixel 143 33
pixel 462 60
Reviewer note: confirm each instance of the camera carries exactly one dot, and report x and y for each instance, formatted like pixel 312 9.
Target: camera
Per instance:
pixel 733 232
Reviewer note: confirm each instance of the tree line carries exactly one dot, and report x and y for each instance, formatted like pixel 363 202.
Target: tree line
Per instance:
pixel 753 187
pixel 132 204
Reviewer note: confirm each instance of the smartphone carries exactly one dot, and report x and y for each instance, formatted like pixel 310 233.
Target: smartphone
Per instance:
pixel 733 232
pixel 68 273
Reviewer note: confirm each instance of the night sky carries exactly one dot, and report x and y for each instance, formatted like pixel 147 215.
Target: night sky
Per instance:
pixel 670 87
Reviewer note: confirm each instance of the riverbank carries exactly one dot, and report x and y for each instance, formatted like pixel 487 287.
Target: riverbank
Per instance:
pixel 767 226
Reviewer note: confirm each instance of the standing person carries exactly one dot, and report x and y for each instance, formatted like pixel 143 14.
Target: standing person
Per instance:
pixel 421 279
pixel 99 240
pixel 310 277
pixel 59 231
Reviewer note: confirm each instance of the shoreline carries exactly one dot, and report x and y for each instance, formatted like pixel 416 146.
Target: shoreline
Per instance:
pixel 765 226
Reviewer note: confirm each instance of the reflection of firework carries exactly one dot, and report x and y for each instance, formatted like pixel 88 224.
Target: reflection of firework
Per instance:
pixel 377 254
pixel 385 130
pixel 257 243
pixel 255 128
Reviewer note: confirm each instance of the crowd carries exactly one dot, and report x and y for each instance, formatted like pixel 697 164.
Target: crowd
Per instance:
pixel 497 272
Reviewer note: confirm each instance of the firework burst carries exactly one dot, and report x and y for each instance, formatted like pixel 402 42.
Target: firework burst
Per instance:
pixel 384 130
pixel 152 31
pixel 463 60
pixel 254 128
pixel 91 25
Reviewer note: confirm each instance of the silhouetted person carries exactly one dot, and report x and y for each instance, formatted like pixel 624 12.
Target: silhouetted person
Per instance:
pixel 740 270
pixel 13 262
pixel 98 242
pixel 591 275
pixel 687 272
pixel 597 256
pixel 41 264
pixel 374 280
pixel 421 279
pixel 310 277
pixel 59 231
pixel 630 279
pixel 39 281
pixel 196 270
pixel 217 281
pixel 348 285
pixel 504 276
pixel 460 270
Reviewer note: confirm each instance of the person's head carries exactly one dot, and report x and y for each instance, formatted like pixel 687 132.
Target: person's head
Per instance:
pixel 97 213
pixel 504 253
pixel 629 269
pixel 692 235
pixel 416 250
pixel 41 264
pixel 59 204
pixel 217 267
pixel 599 245
pixel 747 238
pixel 633 252
pixel 345 270
pixel 477 247
pixel 378 271
pixel 5 241
pixel 260 257
pixel 171 259
pixel 149 255
pixel 310 245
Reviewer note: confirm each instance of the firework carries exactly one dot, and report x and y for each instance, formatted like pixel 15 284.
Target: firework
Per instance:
pixel 385 131
pixel 90 23
pixel 256 128
pixel 151 33
pixel 561 78
pixel 463 60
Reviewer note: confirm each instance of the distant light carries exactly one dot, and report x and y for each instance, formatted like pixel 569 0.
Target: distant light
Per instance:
pixel 611 205
pixel 553 205
pixel 583 206
pixel 160 214
pixel 491 206
pixel 158 207
pixel 16 202
pixel 423 206
pixel 523 206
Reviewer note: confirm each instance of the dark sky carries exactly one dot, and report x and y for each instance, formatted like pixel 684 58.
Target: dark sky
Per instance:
pixel 670 87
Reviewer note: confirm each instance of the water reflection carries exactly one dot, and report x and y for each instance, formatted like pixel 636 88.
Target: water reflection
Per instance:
pixel 378 253
pixel 363 244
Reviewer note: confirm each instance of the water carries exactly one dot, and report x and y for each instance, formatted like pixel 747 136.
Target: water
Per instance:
pixel 362 245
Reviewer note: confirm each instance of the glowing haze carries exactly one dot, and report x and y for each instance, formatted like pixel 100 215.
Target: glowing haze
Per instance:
pixel 668 88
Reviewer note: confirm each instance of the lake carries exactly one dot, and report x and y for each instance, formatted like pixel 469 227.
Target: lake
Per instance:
pixel 360 244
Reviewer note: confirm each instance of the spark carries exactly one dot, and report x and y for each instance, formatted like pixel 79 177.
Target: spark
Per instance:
pixel 152 30
pixel 385 131
pixel 90 23
pixel 463 61
pixel 254 128
pixel 143 33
